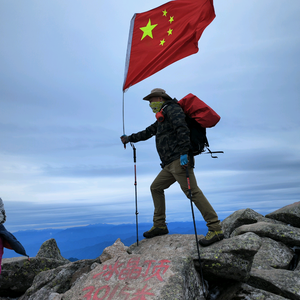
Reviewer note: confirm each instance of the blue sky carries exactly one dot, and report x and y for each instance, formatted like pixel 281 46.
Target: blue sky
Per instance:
pixel 61 76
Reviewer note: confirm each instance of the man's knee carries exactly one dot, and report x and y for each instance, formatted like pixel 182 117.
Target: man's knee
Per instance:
pixel 154 187
pixel 157 189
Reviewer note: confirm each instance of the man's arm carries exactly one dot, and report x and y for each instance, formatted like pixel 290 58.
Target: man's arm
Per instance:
pixel 142 135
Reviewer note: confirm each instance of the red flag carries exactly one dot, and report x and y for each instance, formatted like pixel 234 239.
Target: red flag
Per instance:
pixel 163 35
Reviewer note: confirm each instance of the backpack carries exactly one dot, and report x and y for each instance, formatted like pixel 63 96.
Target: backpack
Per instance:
pixel 199 116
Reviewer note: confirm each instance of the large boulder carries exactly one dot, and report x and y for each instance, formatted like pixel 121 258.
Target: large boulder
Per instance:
pixel 288 235
pixel 161 268
pixel 139 277
pixel 49 249
pixel 272 255
pixel 116 249
pixel 243 217
pixel 50 284
pixel 281 282
pixel 230 258
pixel 289 214
pixel 18 273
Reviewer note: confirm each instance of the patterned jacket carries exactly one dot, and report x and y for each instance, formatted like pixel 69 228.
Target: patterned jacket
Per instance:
pixel 172 135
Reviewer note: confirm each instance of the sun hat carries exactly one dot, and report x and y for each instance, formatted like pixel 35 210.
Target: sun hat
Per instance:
pixel 158 93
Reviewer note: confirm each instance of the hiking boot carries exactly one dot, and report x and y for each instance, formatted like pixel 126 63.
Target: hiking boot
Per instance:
pixel 154 231
pixel 211 237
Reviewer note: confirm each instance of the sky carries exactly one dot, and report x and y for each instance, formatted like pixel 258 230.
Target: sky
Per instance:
pixel 61 76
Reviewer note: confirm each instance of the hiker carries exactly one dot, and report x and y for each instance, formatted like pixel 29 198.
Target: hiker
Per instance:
pixel 173 145
pixel 7 239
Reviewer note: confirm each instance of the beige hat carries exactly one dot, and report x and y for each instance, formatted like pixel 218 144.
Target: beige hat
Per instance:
pixel 158 93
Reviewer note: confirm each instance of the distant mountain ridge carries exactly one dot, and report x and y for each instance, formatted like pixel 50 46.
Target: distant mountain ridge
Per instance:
pixel 88 242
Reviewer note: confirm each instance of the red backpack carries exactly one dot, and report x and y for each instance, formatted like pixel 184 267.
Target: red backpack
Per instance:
pixel 199 116
pixel 199 111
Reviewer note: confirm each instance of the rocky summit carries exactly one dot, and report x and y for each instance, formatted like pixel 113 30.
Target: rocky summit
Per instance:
pixel 258 259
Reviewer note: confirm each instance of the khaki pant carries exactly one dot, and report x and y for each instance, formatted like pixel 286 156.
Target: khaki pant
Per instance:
pixel 174 172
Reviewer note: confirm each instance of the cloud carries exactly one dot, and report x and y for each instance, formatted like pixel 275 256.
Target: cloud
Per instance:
pixel 62 163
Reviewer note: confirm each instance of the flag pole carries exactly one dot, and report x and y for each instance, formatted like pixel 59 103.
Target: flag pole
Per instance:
pixel 123 115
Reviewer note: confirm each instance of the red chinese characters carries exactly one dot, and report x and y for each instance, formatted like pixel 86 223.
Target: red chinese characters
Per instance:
pixel 132 270
pixel 159 269
pixel 108 271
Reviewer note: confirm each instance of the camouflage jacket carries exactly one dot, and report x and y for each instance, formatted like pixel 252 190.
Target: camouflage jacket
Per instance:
pixel 172 135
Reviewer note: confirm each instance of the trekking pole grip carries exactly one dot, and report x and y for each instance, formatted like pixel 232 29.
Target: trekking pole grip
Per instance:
pixel 134 152
pixel 188 179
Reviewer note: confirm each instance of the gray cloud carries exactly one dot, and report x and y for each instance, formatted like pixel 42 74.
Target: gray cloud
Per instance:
pixel 62 163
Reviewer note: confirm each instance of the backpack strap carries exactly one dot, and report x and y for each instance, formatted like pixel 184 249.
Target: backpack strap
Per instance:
pixel 160 115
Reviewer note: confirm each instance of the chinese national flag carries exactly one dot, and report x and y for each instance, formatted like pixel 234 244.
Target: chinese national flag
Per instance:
pixel 163 35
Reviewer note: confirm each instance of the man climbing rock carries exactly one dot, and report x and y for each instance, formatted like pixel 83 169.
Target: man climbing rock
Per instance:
pixel 173 147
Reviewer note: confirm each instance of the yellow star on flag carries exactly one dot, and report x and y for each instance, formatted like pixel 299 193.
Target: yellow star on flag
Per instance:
pixel 165 13
pixel 147 30
pixel 170 31
pixel 162 42
pixel 171 19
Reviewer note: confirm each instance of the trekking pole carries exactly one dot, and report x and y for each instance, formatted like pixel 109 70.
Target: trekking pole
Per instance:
pixel 206 296
pixel 135 187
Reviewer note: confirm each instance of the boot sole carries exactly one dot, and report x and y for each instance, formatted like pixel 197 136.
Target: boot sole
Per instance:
pixel 151 236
